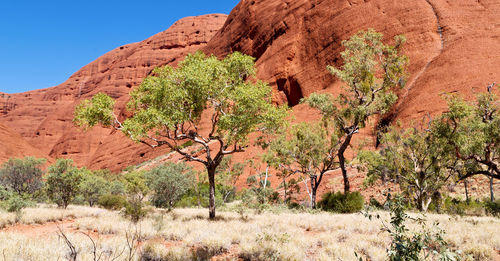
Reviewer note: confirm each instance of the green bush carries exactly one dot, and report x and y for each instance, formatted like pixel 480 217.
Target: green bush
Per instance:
pixel 492 207
pixel 169 183
pixel 63 182
pixel 374 203
pixel 456 206
pixel 17 203
pixel 342 203
pixel 112 202
pixel 5 194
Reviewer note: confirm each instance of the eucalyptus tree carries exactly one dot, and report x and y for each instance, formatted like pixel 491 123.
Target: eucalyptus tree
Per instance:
pixel 473 131
pixel 168 107
pixel 415 158
pixel 371 72
pixel 307 149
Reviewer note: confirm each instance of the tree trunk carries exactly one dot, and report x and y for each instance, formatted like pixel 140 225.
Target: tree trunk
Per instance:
pixel 211 198
pixel 466 185
pixel 342 150
pixel 285 199
pixel 492 194
pixel 347 186
pixel 313 197
pixel 314 188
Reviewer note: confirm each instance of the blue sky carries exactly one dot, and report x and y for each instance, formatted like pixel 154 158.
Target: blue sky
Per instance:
pixel 42 43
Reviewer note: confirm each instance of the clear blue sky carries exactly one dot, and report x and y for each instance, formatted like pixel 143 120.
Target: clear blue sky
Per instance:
pixel 43 42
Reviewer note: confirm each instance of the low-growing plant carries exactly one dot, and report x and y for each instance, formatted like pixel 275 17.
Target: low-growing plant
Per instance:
pixel 342 203
pixel 112 202
pixel 493 207
pixel 426 244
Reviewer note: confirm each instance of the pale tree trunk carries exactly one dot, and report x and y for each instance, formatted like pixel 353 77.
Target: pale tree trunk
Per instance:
pixel 309 193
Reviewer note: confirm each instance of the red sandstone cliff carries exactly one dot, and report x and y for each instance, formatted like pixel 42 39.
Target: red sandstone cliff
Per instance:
pixel 452 45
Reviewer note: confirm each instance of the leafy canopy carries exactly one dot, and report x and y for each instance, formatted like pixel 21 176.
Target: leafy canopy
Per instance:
pixel 22 175
pixel 63 182
pixel 169 105
pixel 472 129
pixel 371 71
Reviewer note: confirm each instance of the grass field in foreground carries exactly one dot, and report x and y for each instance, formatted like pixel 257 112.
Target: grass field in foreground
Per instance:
pixel 184 233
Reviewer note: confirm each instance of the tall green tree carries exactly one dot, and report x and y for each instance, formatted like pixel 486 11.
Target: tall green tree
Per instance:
pixel 473 131
pixel 309 150
pixel 414 158
pixel 371 72
pixel 63 182
pixel 167 109
pixel 23 176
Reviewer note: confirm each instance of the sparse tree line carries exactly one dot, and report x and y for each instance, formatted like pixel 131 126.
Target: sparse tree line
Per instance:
pixel 169 105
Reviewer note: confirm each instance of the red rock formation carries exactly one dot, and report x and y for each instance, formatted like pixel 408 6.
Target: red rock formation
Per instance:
pixel 14 146
pixel 452 47
pixel 44 117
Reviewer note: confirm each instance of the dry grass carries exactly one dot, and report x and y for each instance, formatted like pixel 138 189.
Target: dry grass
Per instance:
pixel 47 213
pixel 185 233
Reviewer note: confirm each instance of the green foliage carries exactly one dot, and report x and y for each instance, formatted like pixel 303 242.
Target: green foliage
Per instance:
pixel 307 149
pixel 226 175
pixel 92 187
pixel 116 188
pixel 16 203
pixel 98 110
pixel 426 244
pixel 4 193
pixel 493 207
pixel 198 195
pixel 175 96
pixel 342 203
pixel 112 202
pixel 63 182
pixel 134 210
pixel 414 158
pixel 136 190
pixel 23 176
pixel 371 71
pixel 169 183
pixel 471 129
pixel 168 105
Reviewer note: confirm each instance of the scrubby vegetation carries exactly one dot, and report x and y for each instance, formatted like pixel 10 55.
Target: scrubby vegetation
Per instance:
pixel 154 214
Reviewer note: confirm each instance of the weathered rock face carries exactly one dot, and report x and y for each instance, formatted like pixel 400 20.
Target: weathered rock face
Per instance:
pixel 452 47
pixel 44 117
pixel 13 145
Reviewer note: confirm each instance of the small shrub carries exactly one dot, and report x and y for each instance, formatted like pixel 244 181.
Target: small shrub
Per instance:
pixel 169 183
pixel 342 203
pixel 374 203
pixel 112 202
pixel 135 210
pixel 492 207
pixel 157 252
pixel 16 204
pixel 456 206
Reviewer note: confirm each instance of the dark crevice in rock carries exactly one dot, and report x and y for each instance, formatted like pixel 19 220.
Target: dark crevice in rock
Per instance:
pixel 291 88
